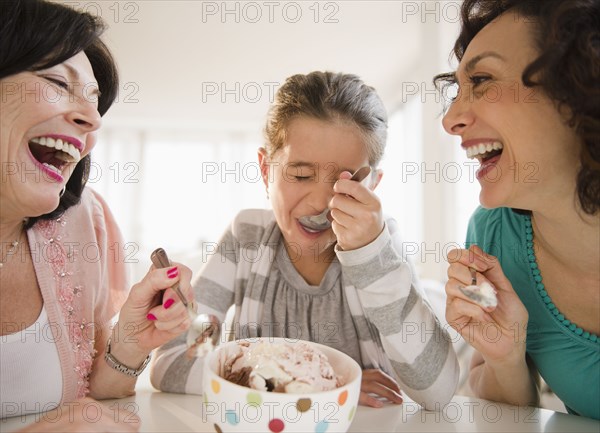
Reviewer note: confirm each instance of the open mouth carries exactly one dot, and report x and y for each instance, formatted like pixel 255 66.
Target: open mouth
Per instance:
pixel 54 153
pixel 485 152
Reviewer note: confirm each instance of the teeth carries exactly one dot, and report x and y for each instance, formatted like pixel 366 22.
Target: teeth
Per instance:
pixel 51 167
pixel 61 145
pixel 481 149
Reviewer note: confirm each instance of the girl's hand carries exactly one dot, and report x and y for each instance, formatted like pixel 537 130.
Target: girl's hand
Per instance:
pixel 377 382
pixel 498 333
pixel 153 314
pixel 74 417
pixel 356 213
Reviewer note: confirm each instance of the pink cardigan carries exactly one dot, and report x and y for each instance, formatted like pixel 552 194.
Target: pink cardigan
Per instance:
pixel 79 261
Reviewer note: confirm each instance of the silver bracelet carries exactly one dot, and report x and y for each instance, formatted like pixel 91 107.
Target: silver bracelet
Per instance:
pixel 117 365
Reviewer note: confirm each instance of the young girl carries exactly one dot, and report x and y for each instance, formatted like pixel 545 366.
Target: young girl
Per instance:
pixel 344 284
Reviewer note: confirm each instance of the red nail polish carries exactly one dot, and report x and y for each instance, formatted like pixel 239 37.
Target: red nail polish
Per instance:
pixel 173 272
pixel 151 316
pixel 168 303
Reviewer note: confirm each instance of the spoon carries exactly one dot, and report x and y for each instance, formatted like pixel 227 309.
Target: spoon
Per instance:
pixel 205 329
pixel 321 221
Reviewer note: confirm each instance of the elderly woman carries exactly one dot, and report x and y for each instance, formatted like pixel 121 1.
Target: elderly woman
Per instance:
pixel 62 271
pixel 528 109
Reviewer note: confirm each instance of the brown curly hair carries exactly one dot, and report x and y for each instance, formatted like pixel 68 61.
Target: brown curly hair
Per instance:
pixel 567 35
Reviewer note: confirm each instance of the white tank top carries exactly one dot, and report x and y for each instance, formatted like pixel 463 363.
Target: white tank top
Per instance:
pixel 30 375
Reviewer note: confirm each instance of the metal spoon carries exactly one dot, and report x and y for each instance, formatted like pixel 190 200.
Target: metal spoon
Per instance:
pixel 321 221
pixel 205 329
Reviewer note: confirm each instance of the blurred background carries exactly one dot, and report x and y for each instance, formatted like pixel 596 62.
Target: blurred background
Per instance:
pixel 177 159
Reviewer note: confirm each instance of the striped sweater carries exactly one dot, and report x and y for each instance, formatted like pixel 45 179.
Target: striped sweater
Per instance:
pixel 397 329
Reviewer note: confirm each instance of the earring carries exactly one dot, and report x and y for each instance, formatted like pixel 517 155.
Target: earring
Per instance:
pixel 62 191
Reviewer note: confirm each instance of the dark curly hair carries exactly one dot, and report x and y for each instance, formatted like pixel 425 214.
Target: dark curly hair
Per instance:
pixel 567 35
pixel 36 35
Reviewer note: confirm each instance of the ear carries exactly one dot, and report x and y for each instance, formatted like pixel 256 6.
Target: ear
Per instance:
pixel 263 163
pixel 375 179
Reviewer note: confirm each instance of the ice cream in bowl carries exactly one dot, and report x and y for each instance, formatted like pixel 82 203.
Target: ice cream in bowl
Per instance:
pixel 279 385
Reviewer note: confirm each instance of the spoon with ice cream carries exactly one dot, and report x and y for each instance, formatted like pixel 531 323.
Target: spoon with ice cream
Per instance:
pixel 321 221
pixel 483 294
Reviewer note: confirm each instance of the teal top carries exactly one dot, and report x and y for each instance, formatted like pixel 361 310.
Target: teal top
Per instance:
pixel 566 356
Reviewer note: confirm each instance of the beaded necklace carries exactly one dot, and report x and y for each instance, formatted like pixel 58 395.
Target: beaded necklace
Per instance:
pixel 535 271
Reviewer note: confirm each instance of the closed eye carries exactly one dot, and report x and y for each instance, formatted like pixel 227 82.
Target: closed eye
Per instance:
pixel 60 83
pixel 303 178
pixel 476 80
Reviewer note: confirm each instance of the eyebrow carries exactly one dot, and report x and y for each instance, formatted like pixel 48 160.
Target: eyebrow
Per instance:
pixel 473 62
pixel 316 165
pixel 300 164
pixel 74 72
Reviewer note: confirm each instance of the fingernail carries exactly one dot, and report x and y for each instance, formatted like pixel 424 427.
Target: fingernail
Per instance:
pixel 151 316
pixel 173 272
pixel 168 303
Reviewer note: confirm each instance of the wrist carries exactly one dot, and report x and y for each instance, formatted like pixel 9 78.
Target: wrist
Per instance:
pixel 511 382
pixel 133 370
pixel 124 350
pixel 365 253
pixel 510 365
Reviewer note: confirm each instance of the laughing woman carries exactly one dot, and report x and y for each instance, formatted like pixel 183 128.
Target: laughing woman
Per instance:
pixel 528 109
pixel 62 278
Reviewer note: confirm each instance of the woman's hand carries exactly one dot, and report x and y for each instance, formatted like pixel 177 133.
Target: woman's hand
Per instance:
pixel 498 333
pixel 85 415
pixel 153 314
pixel 377 382
pixel 356 212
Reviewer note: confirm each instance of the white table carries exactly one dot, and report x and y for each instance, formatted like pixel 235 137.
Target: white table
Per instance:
pixel 164 412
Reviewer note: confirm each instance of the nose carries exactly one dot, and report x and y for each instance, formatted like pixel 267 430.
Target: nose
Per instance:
pixel 322 195
pixel 459 116
pixel 85 115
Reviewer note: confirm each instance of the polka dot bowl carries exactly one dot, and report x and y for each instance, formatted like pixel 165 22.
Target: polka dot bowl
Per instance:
pixel 229 407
